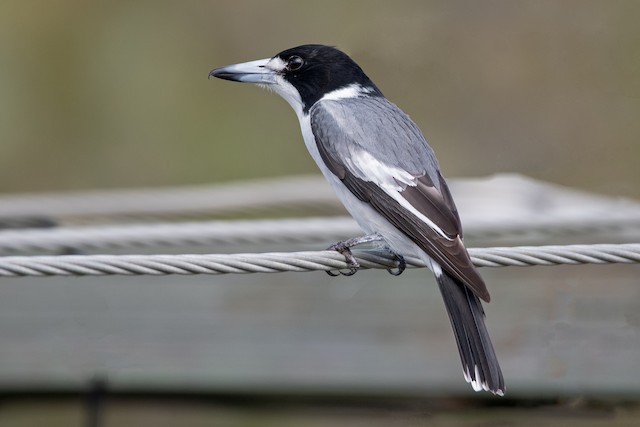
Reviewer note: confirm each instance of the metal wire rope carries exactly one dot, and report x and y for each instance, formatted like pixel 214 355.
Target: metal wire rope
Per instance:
pixel 99 265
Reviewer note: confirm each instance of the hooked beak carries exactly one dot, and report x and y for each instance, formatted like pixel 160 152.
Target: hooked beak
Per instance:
pixel 247 72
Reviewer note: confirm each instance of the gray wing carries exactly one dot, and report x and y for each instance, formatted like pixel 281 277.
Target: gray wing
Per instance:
pixel 382 158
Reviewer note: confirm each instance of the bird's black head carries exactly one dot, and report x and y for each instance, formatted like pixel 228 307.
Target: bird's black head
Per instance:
pixel 303 74
pixel 315 70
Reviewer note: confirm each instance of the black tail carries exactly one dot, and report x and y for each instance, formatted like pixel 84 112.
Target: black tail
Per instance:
pixel 479 361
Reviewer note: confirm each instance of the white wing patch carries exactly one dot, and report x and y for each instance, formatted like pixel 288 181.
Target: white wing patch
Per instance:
pixel 373 170
pixel 391 179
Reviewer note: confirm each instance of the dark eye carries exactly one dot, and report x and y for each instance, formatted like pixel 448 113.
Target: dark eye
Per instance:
pixel 295 63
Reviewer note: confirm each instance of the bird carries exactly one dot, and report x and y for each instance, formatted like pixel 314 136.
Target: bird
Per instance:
pixel 387 176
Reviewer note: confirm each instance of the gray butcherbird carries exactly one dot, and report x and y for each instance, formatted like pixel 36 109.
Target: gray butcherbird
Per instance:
pixel 388 178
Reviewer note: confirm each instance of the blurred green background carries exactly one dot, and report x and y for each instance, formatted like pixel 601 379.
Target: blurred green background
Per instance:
pixel 115 94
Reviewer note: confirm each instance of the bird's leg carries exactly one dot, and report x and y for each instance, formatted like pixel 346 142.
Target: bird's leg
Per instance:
pixel 344 247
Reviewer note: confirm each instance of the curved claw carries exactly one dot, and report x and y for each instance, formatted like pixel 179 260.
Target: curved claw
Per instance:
pixel 402 266
pixel 352 271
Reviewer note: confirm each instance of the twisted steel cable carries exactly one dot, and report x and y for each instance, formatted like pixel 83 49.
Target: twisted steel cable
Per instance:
pixel 100 265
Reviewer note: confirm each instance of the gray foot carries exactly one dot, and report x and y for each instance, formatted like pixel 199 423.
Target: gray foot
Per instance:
pixel 344 247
